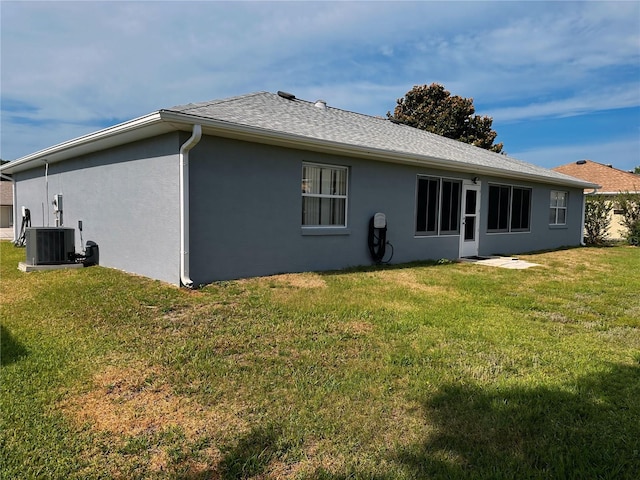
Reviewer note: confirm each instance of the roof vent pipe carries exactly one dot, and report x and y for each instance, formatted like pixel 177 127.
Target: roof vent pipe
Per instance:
pixel 321 104
pixel 287 95
pixel 193 140
pixel 581 162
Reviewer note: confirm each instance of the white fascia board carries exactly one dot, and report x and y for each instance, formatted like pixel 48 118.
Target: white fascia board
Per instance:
pixel 165 121
pixel 617 193
pixel 136 129
pixel 214 127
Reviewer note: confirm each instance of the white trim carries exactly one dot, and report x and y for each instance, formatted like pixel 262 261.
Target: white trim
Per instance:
pixel 516 232
pixel 462 251
pixel 261 135
pixel 164 121
pixel 509 215
pixel 136 129
pixel 557 208
pixel 439 233
pixel 344 197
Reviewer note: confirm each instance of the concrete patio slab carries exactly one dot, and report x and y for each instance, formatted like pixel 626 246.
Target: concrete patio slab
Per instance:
pixel 6 233
pixel 24 267
pixel 502 262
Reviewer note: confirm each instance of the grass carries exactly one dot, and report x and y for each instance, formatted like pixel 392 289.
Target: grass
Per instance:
pixel 413 371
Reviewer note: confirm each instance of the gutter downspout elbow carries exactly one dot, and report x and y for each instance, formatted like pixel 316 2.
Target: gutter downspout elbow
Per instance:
pixel 185 279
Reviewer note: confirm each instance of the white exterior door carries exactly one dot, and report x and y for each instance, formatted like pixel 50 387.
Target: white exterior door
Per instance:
pixel 470 216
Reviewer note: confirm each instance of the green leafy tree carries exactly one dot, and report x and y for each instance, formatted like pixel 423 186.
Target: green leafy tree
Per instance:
pixel 637 170
pixel 434 109
pixel 629 204
pixel 597 218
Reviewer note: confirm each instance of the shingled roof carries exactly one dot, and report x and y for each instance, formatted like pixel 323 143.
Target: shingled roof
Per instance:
pixel 282 119
pixel 611 179
pixel 315 120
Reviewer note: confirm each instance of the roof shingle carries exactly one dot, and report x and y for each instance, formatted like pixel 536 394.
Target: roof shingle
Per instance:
pixel 611 179
pixel 302 118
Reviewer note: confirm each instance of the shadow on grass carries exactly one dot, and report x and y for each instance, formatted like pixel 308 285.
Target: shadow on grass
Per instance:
pixel 591 429
pixel 11 350
pixel 253 454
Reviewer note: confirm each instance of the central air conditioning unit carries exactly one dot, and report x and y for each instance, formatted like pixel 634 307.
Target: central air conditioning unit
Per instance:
pixel 50 245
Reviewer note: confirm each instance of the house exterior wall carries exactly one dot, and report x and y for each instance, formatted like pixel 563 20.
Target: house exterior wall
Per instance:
pixel 6 216
pixel 246 214
pixel 542 235
pixel 127 198
pixel 616 230
pixel 6 204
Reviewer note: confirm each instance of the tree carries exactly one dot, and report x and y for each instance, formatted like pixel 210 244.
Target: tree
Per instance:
pixel 434 109
pixel 637 170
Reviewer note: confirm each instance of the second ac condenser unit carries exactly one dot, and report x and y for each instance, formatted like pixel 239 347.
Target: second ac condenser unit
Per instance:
pixel 50 245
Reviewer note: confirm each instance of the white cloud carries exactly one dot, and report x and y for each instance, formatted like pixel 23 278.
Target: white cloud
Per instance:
pixel 83 62
pixel 625 96
pixel 623 154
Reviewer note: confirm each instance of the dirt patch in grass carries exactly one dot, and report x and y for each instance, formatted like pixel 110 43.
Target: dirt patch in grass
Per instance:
pixel 299 280
pixel 357 327
pixel 129 403
pixel 407 279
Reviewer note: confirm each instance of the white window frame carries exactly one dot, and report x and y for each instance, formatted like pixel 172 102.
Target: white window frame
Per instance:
pixel 509 213
pixel 553 198
pixel 438 232
pixel 345 197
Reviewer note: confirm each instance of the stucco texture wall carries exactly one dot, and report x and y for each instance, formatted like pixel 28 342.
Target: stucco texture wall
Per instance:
pixel 127 198
pixel 246 214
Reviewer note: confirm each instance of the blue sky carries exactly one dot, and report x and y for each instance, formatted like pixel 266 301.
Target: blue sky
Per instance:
pixel 560 79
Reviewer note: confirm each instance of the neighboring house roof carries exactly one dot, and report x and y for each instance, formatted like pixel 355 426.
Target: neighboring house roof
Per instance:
pixel 6 193
pixel 612 180
pixel 284 120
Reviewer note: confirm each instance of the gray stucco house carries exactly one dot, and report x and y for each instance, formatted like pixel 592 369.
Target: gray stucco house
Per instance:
pixel 267 183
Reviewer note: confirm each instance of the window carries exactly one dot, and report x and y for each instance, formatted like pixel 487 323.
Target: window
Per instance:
pixel 324 196
pixel 498 208
pixel 558 208
pixel 520 208
pixel 509 209
pixel 437 206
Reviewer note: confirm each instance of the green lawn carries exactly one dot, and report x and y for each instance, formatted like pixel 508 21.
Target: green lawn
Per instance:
pixel 409 372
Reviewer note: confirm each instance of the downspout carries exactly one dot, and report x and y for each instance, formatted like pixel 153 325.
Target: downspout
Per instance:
pixel 584 203
pixel 185 279
pixel 15 204
pixel 46 191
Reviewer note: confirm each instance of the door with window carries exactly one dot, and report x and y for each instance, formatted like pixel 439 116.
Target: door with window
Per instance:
pixel 470 220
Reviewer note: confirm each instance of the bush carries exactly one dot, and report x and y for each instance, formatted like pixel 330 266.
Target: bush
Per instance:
pixel 634 234
pixel 629 204
pixel 597 219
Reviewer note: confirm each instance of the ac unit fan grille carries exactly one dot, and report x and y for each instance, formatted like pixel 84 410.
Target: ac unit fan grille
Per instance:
pixel 50 246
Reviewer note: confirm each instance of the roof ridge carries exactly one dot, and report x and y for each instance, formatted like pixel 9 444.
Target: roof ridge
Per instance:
pixel 192 106
pixel 331 107
pixel 608 166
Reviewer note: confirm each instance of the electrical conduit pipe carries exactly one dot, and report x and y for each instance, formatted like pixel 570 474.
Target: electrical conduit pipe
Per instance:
pixel 185 279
